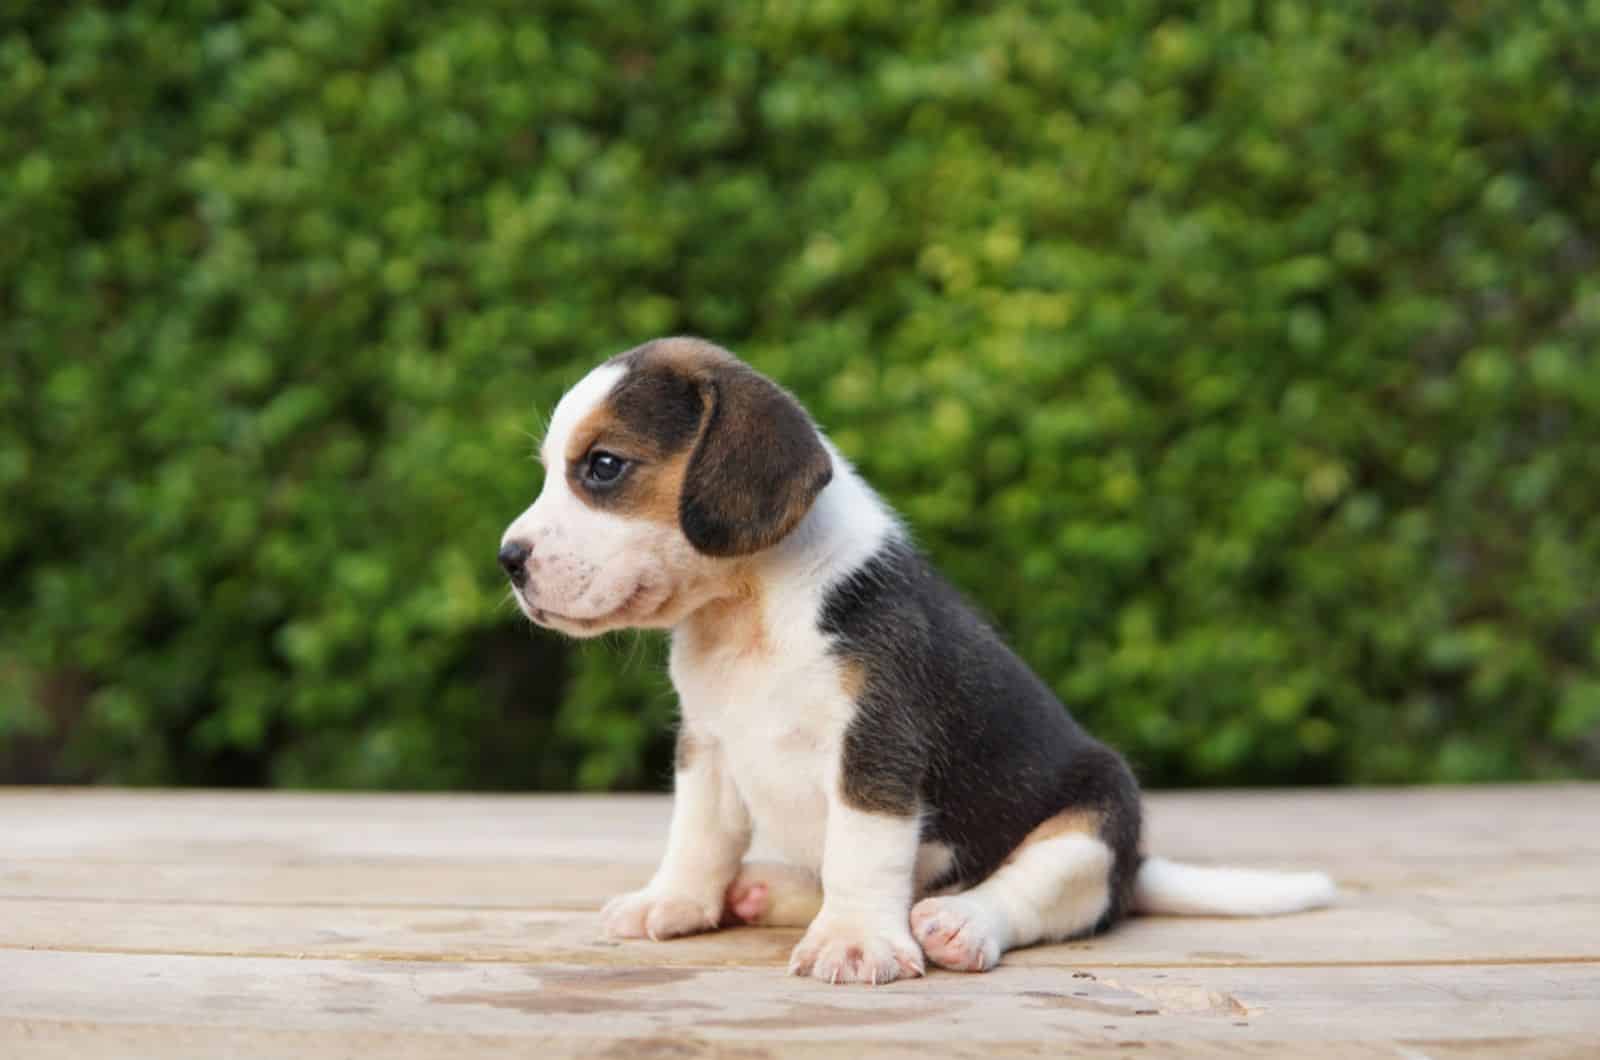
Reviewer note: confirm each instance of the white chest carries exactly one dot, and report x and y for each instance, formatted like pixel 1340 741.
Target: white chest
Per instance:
pixel 778 720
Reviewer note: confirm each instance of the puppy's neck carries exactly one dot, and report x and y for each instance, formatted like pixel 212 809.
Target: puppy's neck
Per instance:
pixel 847 523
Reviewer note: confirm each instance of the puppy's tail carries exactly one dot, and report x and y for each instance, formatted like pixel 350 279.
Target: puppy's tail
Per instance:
pixel 1175 889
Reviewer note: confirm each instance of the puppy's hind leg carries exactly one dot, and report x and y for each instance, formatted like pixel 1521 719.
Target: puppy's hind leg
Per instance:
pixel 771 894
pixel 1049 889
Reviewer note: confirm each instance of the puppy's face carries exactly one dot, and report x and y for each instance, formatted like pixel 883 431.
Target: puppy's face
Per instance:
pixel 662 466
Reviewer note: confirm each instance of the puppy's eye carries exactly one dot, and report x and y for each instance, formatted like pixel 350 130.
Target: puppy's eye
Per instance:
pixel 603 468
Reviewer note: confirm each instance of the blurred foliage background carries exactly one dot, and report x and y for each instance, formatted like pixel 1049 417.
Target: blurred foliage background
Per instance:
pixel 1240 358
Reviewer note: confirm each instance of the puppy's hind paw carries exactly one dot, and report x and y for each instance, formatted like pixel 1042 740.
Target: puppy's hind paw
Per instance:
pixel 955 933
pixel 769 894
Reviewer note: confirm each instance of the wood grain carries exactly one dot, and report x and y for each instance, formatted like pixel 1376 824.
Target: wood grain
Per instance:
pixel 250 925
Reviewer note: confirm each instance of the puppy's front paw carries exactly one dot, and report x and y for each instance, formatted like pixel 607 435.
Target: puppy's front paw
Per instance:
pixel 855 948
pixel 647 914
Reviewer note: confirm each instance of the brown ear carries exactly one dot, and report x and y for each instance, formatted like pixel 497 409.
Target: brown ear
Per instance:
pixel 756 469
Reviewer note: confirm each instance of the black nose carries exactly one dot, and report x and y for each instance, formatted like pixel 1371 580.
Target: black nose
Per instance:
pixel 514 559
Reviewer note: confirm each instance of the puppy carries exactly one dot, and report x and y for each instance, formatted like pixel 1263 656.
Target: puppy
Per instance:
pixel 930 798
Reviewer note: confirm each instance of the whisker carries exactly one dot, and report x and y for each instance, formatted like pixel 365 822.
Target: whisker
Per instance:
pixel 543 425
pixel 636 649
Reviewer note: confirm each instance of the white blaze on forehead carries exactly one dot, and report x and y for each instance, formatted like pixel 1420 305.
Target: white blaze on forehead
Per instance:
pixel 574 408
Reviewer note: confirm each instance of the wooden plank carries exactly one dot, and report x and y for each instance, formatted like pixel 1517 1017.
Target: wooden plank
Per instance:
pixel 43 1040
pixel 535 852
pixel 415 883
pixel 143 827
pixel 79 1040
pixel 1359 933
pixel 1550 877
pixel 1289 827
pixel 579 1010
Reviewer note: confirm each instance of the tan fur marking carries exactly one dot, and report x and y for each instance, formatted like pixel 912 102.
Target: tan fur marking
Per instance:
pixel 658 479
pixel 659 503
pixel 853 679
pixel 732 623
pixel 604 428
pixel 688 357
pixel 601 422
pixel 1067 822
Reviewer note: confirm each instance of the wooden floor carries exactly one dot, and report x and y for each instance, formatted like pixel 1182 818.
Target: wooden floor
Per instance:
pixel 307 926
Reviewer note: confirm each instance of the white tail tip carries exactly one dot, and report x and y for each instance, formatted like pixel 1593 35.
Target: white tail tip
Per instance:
pixel 1175 889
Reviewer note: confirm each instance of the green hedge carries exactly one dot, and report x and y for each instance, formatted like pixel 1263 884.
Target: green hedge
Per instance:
pixel 1241 358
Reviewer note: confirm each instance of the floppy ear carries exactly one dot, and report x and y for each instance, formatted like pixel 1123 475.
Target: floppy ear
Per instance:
pixel 756 468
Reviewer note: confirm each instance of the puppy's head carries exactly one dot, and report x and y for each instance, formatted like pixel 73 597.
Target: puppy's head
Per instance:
pixel 663 465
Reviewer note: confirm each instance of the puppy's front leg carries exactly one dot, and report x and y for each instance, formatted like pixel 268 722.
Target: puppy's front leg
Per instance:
pixel 706 841
pixel 862 933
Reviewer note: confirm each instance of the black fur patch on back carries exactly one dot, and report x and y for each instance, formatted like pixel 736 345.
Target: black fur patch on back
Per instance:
pixel 952 722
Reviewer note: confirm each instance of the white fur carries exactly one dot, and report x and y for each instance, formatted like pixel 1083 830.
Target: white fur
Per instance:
pixel 1169 887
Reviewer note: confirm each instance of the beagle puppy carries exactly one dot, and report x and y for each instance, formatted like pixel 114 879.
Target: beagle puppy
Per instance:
pixel 928 795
